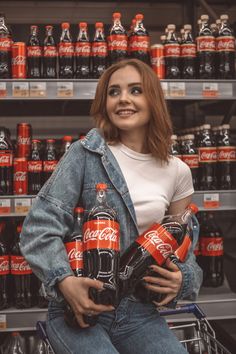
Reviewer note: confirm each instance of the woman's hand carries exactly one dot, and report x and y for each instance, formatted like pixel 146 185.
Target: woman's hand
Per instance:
pixel 76 292
pixel 169 282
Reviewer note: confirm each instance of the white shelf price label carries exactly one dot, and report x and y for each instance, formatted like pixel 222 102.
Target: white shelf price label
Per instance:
pixel 20 89
pixel 5 206
pixel 38 89
pixel 3 321
pixel 211 200
pixel 210 89
pixel 164 86
pixel 177 89
pixel 22 205
pixel 3 89
pixel 65 89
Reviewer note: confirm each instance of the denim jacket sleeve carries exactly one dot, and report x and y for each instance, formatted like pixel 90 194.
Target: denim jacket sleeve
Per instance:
pixel 50 219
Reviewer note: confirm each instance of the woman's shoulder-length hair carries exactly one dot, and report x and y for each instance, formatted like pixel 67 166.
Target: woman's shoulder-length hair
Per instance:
pixel 160 126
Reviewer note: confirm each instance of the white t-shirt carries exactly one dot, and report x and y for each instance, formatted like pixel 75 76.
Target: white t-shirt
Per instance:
pixel 152 185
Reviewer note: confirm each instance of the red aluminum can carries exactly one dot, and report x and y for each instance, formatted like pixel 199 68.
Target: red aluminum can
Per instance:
pixel 158 60
pixel 18 60
pixel 24 137
pixel 20 175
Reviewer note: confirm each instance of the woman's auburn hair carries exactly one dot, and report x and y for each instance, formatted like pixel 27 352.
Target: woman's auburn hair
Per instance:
pixel 160 125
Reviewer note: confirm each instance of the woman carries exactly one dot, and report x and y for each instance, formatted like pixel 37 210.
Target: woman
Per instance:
pixel 130 153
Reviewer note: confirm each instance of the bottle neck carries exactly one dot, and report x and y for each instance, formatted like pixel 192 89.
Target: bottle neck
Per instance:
pixel 99 35
pixel 83 35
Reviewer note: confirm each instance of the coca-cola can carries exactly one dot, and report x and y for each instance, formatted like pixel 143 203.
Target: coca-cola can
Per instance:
pixel 18 60
pixel 158 60
pixel 20 175
pixel 24 136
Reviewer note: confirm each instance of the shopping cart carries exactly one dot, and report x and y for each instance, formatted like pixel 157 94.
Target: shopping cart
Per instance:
pixel 197 336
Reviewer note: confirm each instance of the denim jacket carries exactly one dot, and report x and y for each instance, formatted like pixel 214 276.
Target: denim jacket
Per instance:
pixel 51 217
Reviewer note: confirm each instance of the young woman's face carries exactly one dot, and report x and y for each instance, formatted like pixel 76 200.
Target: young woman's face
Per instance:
pixel 126 105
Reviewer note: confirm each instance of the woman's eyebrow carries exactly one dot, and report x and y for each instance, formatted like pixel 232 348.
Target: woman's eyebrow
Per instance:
pixel 131 84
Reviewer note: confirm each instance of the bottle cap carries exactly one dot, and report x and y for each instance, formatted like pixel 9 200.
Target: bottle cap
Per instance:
pixel 193 208
pixel 79 210
pixel 67 138
pixel 34 27
pixel 187 27
pixel 116 15
pixel 173 137
pixel 83 24
pixel 224 17
pixel 204 17
pixel 50 140
pixel 98 25
pixel 36 141
pixel 225 126
pixel 49 27
pixel 139 17
pixel 65 25
pixel 189 136
pixel 171 27
pixel 19 228
pixel 101 186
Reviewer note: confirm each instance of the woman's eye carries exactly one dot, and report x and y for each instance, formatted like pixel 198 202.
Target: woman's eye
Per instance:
pixel 113 92
pixel 136 90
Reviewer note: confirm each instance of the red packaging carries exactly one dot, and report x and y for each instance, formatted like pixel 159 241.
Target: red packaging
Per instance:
pixel 24 135
pixel 20 175
pixel 157 60
pixel 18 60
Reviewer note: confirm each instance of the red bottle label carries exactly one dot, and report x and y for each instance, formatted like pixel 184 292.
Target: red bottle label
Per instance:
pixel 65 49
pixel 82 49
pixel 4 265
pixel 99 49
pixel 34 51
pixel 49 166
pixel 50 51
pixel 141 43
pixel 172 50
pixel 117 42
pixel 74 250
pixel 206 44
pixel 19 266
pixel 6 158
pixel 101 234
pixel 5 44
pixel 182 251
pixel 207 154
pixel 225 44
pixel 210 246
pixel 158 242
pixel 227 153
pixel 35 166
pixel 191 160
pixel 188 50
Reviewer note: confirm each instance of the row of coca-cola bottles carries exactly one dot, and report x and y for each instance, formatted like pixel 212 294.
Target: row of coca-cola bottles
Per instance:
pixel 23 343
pixel 210 154
pixel 211 55
pixel 19 287
pixel 26 165
pixel 83 59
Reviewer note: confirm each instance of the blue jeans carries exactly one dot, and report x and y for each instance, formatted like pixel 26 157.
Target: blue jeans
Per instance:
pixel 134 328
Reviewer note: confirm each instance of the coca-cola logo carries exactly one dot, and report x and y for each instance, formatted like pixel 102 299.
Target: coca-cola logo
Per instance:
pixel 101 49
pixel 48 166
pixel 210 156
pixel 172 50
pixel 19 60
pixel 74 254
pixel 50 52
pixel 20 267
pixel 21 140
pixel 66 50
pixel 106 234
pixel 34 51
pixel 82 49
pixel 5 159
pixel 163 248
pixel 4 266
pixel 34 167
pixel 139 44
pixel 5 44
pixel 116 43
pixel 20 176
pixel 215 247
pixel 227 155
pixel 155 61
pixel 188 51
pixel 225 44
pixel 204 44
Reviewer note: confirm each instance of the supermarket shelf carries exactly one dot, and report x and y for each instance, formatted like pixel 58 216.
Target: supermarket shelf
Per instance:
pixel 74 89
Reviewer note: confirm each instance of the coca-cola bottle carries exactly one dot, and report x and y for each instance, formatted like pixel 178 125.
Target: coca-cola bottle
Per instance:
pixel 35 168
pixel 154 246
pixel 6 162
pixel 82 53
pixel 226 159
pixel 49 159
pixel 5 49
pixel 66 143
pixel 174 147
pixel 16 344
pixel 4 267
pixel 211 246
pixel 66 53
pixel 21 274
pixel 117 40
pixel 225 45
pixel 49 55
pixel 74 249
pixel 207 159
pixel 34 54
pixel 188 54
pixel 206 50
pixel 139 41
pixel 172 54
pixel 99 51
pixel 102 248
pixel 190 157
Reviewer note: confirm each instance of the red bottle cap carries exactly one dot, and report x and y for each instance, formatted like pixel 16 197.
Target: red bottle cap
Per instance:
pixel 79 210
pixel 48 27
pixel 67 138
pixel 139 17
pixel 83 24
pixel 116 15
pixel 65 25
pixel 98 25
pixel 193 207
pixel 50 140
pixel 101 186
pixel 36 141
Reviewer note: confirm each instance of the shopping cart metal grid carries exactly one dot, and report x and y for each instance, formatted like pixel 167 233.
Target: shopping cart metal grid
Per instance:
pixel 196 336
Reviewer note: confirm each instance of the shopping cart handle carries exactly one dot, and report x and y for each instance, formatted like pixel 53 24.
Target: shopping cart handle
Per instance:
pixel 41 329
pixel 191 308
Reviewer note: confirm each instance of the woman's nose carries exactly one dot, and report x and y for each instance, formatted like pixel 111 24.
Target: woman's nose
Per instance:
pixel 124 96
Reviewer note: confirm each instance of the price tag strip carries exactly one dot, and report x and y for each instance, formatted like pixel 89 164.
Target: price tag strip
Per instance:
pixel 177 89
pixel 3 89
pixel 65 89
pixel 210 89
pixel 5 206
pixel 20 89
pixel 211 200
pixel 22 205
pixel 38 89
pixel 3 321
pixel 164 86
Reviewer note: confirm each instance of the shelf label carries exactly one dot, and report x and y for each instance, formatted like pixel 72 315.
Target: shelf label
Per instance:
pixel 20 89
pixel 38 89
pixel 22 205
pixel 3 321
pixel 65 89
pixel 5 206
pixel 211 200
pixel 177 89
pixel 210 89
pixel 164 86
pixel 3 89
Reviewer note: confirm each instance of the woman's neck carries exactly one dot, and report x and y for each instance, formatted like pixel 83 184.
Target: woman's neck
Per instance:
pixel 134 142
